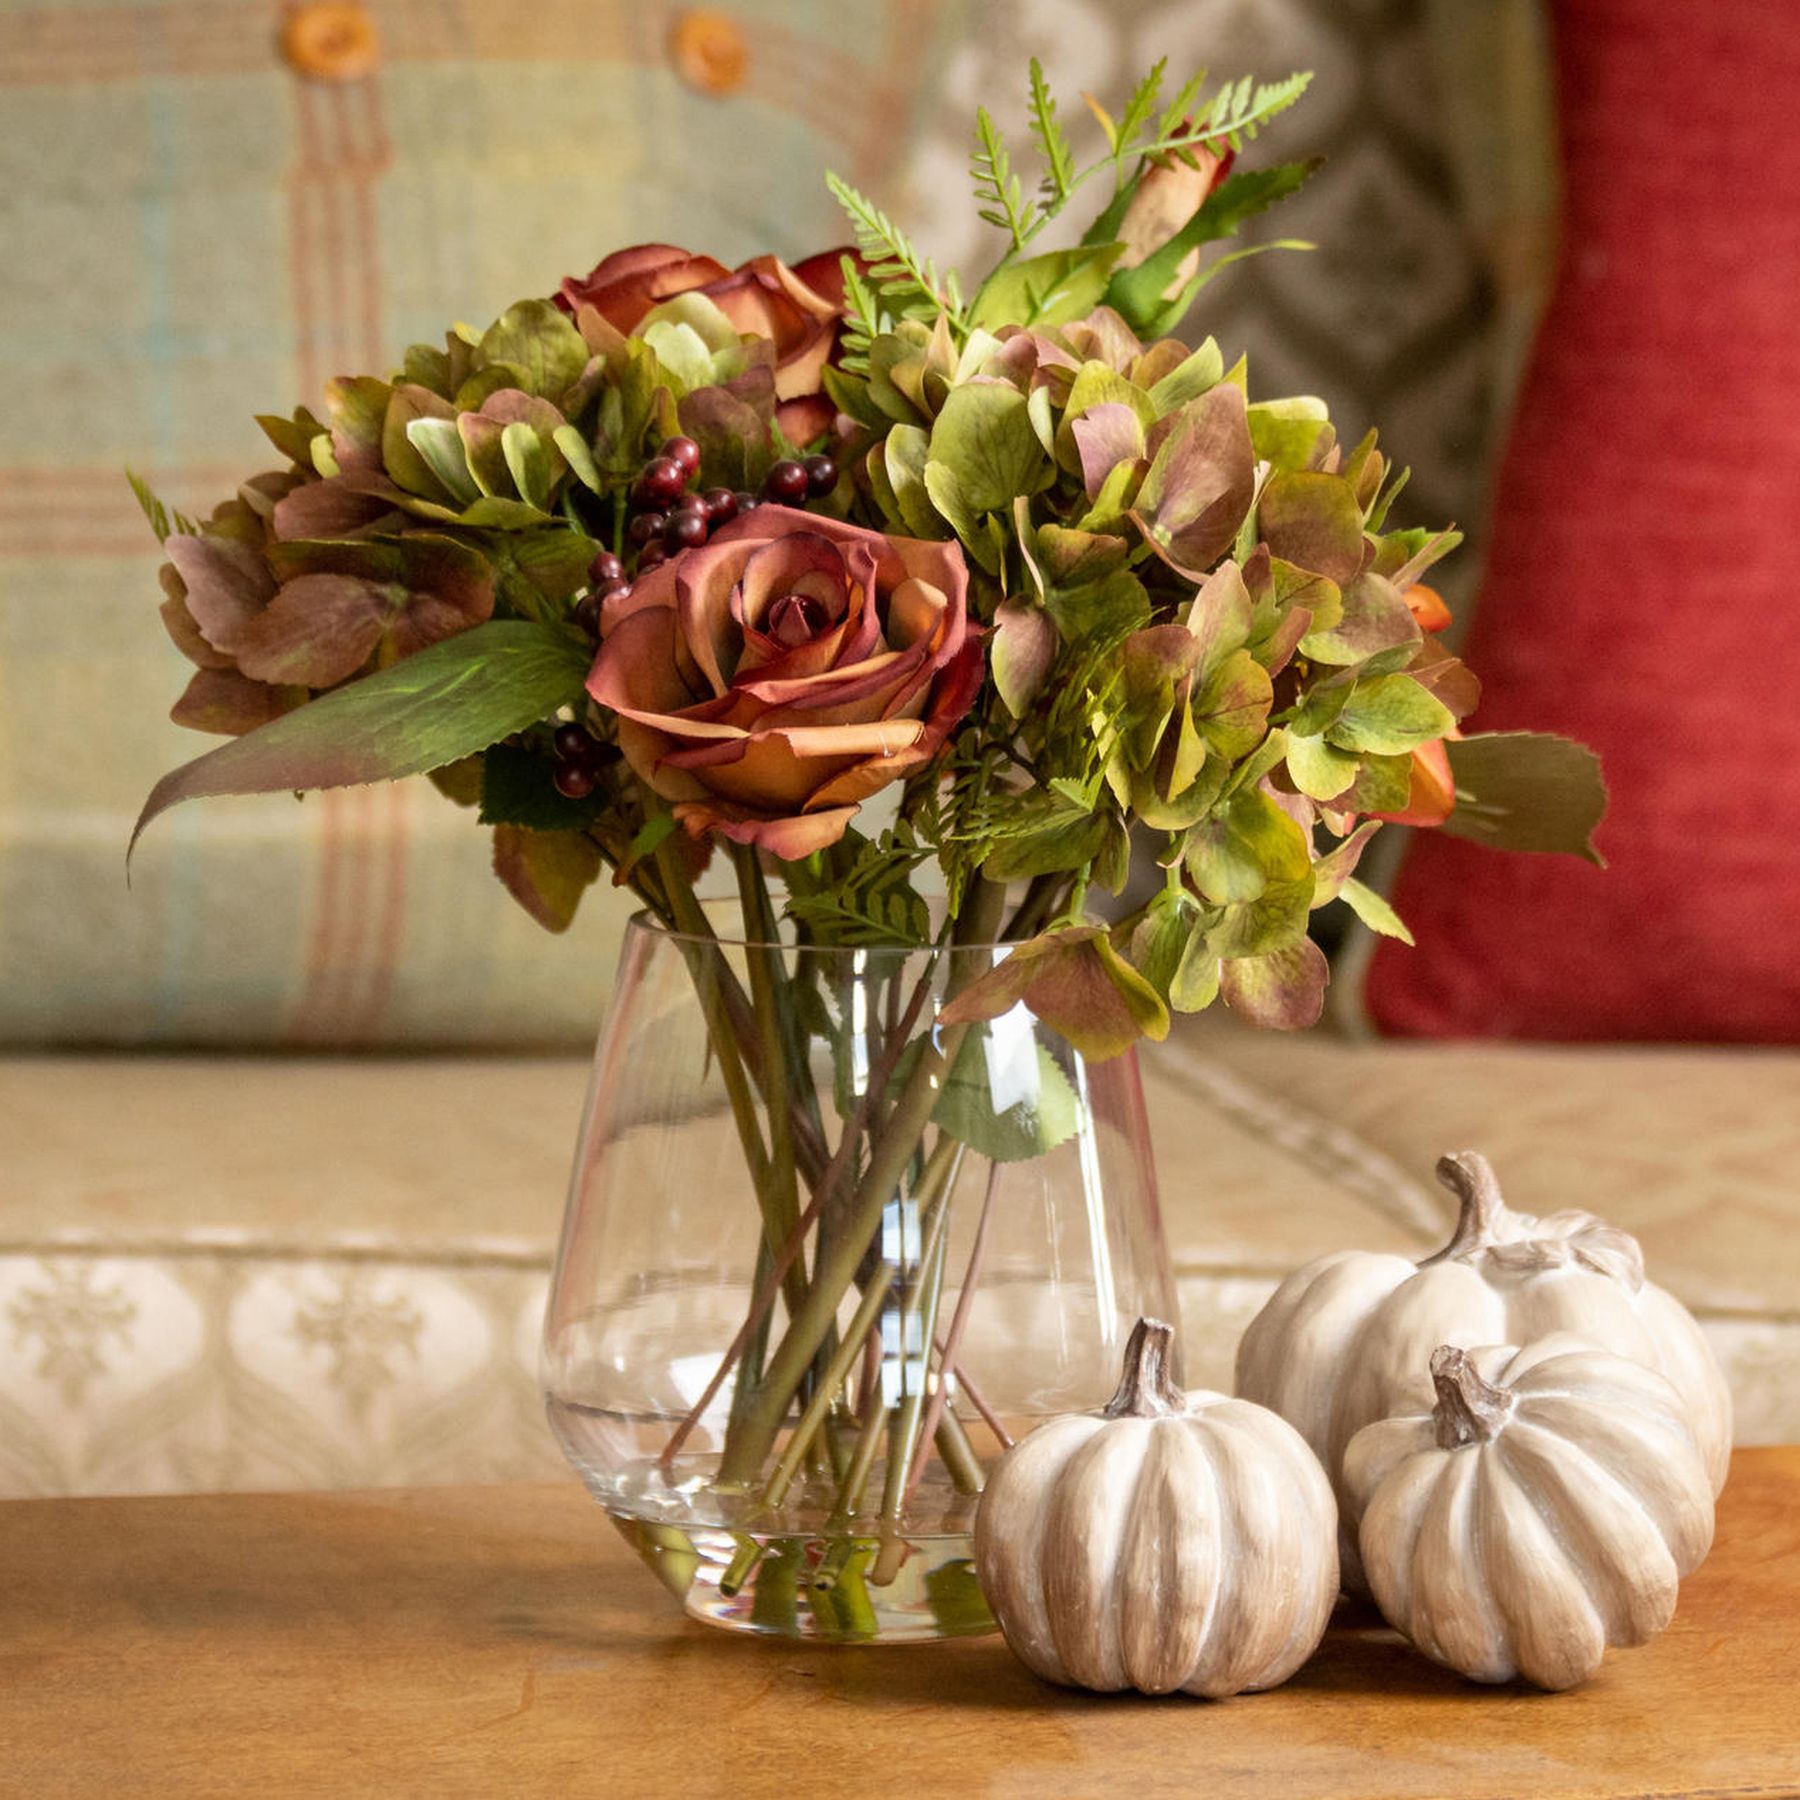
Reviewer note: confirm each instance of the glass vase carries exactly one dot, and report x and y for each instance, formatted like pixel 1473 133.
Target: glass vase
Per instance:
pixel 826 1254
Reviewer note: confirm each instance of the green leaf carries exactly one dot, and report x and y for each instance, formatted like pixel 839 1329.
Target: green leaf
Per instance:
pixel 1336 867
pixel 1375 619
pixel 1319 772
pixel 1050 289
pixel 538 340
pixel 1527 790
pixel 527 462
pixel 1137 293
pixel 1291 434
pixel 1276 918
pixel 1313 520
pixel 984 438
pixel 1250 843
pixel 1059 158
pixel 1388 715
pixel 1232 710
pixel 578 456
pixel 517 789
pixel 1006 1098
pixel 1373 910
pixel 1189 379
pixel 1071 840
pixel 446 702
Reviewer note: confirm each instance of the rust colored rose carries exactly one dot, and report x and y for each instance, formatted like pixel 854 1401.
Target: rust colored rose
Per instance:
pixel 771 680
pixel 799 311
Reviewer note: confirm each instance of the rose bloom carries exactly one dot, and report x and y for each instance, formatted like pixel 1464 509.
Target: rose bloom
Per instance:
pixel 772 679
pixel 799 310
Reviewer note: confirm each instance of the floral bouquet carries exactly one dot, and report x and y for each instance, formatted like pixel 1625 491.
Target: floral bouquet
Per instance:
pixel 920 603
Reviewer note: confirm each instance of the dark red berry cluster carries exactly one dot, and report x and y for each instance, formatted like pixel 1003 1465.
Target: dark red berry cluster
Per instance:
pixel 667 515
pixel 580 759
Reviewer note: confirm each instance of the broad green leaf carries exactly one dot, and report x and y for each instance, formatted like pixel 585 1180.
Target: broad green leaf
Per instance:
pixel 517 789
pixel 447 702
pixel 1005 1097
pixel 1373 910
pixel 527 462
pixel 1231 711
pixel 1319 772
pixel 537 339
pixel 1527 790
pixel 1291 434
pixel 1335 868
pixel 578 456
pixel 1276 918
pixel 905 453
pixel 1388 715
pixel 1189 379
pixel 1312 520
pixel 1249 844
pixel 1138 293
pixel 1050 289
pixel 1376 618
pixel 1070 840
pixel 1196 983
pixel 984 437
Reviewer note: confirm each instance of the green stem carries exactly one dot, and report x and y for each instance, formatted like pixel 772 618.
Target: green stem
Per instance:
pixel 847 1351
pixel 837 1264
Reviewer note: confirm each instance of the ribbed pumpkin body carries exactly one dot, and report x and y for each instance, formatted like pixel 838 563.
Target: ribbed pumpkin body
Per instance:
pixel 1193 1550
pixel 1347 1339
pixel 1554 1517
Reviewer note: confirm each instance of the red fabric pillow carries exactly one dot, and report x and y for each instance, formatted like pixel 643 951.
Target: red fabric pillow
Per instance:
pixel 1643 587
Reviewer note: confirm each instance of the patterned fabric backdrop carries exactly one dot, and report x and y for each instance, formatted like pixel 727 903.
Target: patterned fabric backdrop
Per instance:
pixel 197 229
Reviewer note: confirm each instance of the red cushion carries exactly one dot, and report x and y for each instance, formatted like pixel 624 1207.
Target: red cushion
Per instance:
pixel 1643 585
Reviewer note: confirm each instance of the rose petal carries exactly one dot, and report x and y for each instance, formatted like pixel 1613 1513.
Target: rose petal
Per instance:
pixel 789 838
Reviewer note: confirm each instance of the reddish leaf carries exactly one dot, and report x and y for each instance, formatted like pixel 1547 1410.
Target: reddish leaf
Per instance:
pixel 227 585
pixel 224 701
pixel 1200 483
pixel 1283 991
pixel 1313 521
pixel 1022 651
pixel 1078 984
pixel 547 872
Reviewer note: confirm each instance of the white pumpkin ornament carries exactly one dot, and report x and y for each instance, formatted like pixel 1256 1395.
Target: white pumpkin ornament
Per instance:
pixel 1545 1508
pixel 1171 1540
pixel 1348 1338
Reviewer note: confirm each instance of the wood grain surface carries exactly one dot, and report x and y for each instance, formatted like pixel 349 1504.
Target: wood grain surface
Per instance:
pixel 502 1641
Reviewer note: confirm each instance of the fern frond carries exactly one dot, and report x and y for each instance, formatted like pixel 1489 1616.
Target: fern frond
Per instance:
pixel 905 281
pixel 1059 158
pixel 999 194
pixel 1140 106
pixel 164 521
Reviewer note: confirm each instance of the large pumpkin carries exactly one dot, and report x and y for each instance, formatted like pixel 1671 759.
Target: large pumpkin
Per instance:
pixel 1348 1339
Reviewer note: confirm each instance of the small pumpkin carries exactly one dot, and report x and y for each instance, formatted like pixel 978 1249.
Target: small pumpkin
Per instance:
pixel 1170 1540
pixel 1546 1507
pixel 1348 1338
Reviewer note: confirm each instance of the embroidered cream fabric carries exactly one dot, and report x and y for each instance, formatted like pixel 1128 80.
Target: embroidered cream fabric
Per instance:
pixel 279 1273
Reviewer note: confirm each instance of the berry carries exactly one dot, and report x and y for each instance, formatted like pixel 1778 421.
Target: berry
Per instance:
pixel 587 614
pixel 610 590
pixel 821 476
pixel 573 743
pixel 747 501
pixel 785 482
pixel 661 480
pixel 685 529
pixel 604 568
pixel 645 526
pixel 721 505
pixel 694 503
pixel 651 555
pixel 574 781
pixel 682 451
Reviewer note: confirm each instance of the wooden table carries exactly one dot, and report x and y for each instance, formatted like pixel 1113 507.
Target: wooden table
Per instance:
pixel 502 1641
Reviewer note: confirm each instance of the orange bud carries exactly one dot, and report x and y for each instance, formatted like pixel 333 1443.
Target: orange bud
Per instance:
pixel 1428 607
pixel 1432 797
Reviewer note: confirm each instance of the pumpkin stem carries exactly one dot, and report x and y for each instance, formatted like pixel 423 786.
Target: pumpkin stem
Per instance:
pixel 1469 1410
pixel 1148 1389
pixel 1470 1176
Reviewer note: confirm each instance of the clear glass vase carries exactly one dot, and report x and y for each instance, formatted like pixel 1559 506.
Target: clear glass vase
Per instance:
pixel 825 1255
